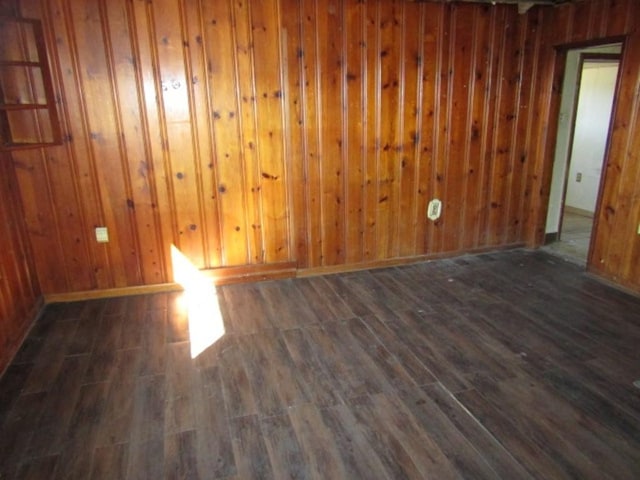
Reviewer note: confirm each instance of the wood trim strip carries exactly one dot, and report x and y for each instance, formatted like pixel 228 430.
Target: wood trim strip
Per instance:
pixel 219 276
pixel 255 273
pixel 251 273
pixel 110 292
pixel 614 282
pixel 395 262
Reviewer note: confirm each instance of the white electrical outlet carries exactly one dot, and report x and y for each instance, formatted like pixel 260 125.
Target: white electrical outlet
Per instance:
pixel 434 209
pixel 102 235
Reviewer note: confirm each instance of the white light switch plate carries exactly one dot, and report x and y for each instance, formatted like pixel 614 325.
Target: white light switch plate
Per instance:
pixel 434 209
pixel 102 235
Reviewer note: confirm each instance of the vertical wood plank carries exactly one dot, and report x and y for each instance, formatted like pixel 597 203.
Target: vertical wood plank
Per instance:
pixel 521 155
pixel 270 119
pixel 413 192
pixel 389 50
pixel 294 96
pixel 155 167
pixel 502 137
pixel 410 96
pixel 224 110
pixel 200 94
pixel 139 184
pixel 176 102
pixel 248 121
pixel 494 54
pixel 617 16
pixel 354 141
pixel 456 171
pixel 539 176
pixel 429 78
pixel 371 121
pixel 440 124
pixel 95 79
pixel 312 99
pixel 479 86
pixel 331 66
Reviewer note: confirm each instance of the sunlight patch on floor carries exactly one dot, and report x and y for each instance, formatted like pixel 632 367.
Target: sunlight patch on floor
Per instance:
pixel 206 325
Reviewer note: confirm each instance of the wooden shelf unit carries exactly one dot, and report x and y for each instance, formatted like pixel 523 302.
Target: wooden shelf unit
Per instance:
pixel 28 114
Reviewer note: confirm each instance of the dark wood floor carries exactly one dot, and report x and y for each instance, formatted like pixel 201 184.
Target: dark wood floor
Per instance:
pixel 512 365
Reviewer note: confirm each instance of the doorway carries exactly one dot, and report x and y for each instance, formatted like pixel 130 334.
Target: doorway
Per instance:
pixel 583 129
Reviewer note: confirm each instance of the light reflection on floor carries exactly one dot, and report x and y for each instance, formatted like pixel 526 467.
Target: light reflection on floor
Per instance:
pixel 206 325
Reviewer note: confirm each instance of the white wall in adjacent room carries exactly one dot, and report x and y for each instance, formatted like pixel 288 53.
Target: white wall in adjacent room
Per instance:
pixel 590 136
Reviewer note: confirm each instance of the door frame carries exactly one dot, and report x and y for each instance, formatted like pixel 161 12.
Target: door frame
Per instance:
pixel 558 75
pixel 583 58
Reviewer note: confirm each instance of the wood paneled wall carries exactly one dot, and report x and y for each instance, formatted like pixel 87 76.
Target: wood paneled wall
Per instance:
pixel 308 131
pixel 396 103
pixel 19 291
pixel 311 131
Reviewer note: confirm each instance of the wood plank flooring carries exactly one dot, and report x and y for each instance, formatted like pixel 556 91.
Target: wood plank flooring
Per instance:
pixel 510 365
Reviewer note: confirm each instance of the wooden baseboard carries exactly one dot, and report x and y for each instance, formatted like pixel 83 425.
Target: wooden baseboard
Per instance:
pixel 219 276
pixel 626 287
pixel 578 211
pixel 111 292
pixel 256 273
pixel 251 273
pixel 393 262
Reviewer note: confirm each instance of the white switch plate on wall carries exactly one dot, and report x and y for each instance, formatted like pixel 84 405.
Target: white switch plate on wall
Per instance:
pixel 102 235
pixel 434 209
